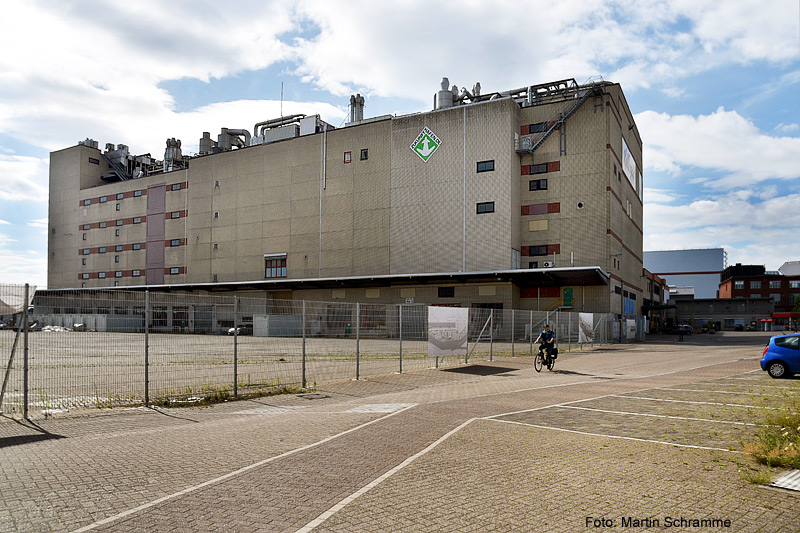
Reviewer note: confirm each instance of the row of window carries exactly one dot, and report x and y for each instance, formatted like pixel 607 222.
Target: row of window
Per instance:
pixel 172 271
pixel 539 127
pixel 130 194
pixel 540 250
pixel 540 168
pixel 776 284
pixel 172 215
pixel 128 247
pixel 348 156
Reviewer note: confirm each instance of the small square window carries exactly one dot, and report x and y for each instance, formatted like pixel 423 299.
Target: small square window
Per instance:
pixel 216 214
pixel 485 166
pixel 137 220
pixel 118 274
pixel 88 201
pixel 101 250
pixel 175 242
pixel 118 248
pixel 103 199
pixel 94 161
pixel 176 187
pixel 364 154
pixel 136 273
pixel 175 214
pixel 137 246
pixel 84 276
pixel 216 184
pixel 101 275
pixel 103 225
pixel 485 207
pixel 174 270
pixel 86 251
pixel 86 226
pixel 537 185
pixel 120 195
pixel 137 193
pixel 120 222
pixel 348 157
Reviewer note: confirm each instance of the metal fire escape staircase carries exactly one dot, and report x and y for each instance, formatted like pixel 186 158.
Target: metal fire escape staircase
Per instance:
pixel 557 124
pixel 116 169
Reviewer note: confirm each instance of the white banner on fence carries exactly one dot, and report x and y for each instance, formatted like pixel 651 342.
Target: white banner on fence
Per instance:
pixel 631 329
pixel 12 298
pixel 447 331
pixel 586 328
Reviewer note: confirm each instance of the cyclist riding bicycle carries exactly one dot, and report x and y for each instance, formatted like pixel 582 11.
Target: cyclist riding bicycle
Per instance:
pixel 547 341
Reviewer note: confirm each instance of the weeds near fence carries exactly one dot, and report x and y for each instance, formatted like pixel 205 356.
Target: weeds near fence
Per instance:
pixel 777 444
pixel 213 395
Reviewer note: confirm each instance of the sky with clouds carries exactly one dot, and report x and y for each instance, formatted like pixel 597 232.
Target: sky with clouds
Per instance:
pixel 713 87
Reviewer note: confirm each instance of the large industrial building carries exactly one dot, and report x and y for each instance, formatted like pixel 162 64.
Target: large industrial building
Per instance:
pixel 699 269
pixel 526 199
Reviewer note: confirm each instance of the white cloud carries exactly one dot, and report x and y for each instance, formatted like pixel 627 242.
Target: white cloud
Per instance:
pixel 38 223
pixel 723 141
pixel 660 196
pixel 4 222
pixel 23 178
pixel 786 128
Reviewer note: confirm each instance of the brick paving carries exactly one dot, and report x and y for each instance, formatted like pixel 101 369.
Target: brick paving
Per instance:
pixel 276 464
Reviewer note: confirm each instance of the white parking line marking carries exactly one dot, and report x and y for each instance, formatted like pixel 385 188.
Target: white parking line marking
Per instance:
pixel 232 474
pixel 330 512
pixel 660 416
pixel 687 401
pixel 713 391
pixel 617 436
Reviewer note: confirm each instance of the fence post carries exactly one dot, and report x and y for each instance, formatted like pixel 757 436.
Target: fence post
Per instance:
pixel 491 334
pixel 400 315
pixel 146 348
pixel 303 383
pixel 512 333
pixel 358 355
pixel 569 332
pixel 25 354
pixel 530 335
pixel 235 346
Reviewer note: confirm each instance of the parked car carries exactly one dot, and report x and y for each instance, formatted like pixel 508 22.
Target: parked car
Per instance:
pixel 687 329
pixel 247 329
pixel 781 357
pixel 738 327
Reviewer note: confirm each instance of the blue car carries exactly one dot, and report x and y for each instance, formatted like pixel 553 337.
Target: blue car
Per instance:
pixel 781 357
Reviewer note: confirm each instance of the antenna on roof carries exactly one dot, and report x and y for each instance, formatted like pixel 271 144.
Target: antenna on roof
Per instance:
pixel 281 98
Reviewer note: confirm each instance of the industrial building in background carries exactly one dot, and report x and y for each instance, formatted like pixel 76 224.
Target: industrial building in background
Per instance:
pixel 525 199
pixel 695 271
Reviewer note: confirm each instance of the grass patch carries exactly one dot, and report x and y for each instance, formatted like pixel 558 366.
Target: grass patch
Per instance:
pixel 778 443
pixel 211 396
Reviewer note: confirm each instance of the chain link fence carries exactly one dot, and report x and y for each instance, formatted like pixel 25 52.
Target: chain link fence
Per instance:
pixel 107 348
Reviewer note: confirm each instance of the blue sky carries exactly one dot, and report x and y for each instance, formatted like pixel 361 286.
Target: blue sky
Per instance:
pixel 713 87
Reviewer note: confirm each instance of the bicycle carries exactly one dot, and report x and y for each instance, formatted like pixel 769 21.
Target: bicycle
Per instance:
pixel 542 359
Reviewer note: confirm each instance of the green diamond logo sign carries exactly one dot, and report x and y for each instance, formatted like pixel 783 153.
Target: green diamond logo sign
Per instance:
pixel 426 144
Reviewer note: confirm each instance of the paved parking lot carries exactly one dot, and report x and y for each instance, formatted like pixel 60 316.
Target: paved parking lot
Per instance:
pixel 636 437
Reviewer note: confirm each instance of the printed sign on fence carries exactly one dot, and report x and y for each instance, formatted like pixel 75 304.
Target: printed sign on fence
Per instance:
pixel 586 328
pixel 447 331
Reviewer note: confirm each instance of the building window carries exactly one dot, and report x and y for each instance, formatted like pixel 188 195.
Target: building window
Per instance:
pixel 120 195
pixel 118 248
pixel 116 259
pixel 137 220
pixel 175 242
pixel 755 295
pixel 174 270
pixel 214 278
pixel 116 283
pixel 175 214
pixel 539 169
pixel 85 226
pixel 485 207
pixel 216 214
pixel 216 184
pixel 794 284
pixel 447 292
pixel 776 296
pixel 118 274
pixel 537 250
pixel 176 187
pixel 537 185
pixel 347 157
pixel 538 127
pixel 84 276
pixel 775 284
pixel 136 273
pixel 103 199
pixel 88 201
pixel 754 284
pixel 116 233
pixel 117 207
pixel 101 250
pixel 94 161
pixel 84 236
pixel 486 166
pixel 83 285
pixel 101 275
pixel 364 154
pixel 137 246
pixel 120 222
pixel 533 264
pixel 137 193
pixel 103 225
pixel 275 266
pixel 83 261
pixel 738 284
pixel 85 251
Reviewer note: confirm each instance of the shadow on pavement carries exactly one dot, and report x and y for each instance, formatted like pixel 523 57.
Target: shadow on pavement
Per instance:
pixel 481 370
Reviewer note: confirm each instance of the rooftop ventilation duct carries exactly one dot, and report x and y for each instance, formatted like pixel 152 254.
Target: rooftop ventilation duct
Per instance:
pixel 356 108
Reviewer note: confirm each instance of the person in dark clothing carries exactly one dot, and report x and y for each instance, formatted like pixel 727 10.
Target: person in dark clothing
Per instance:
pixel 547 340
